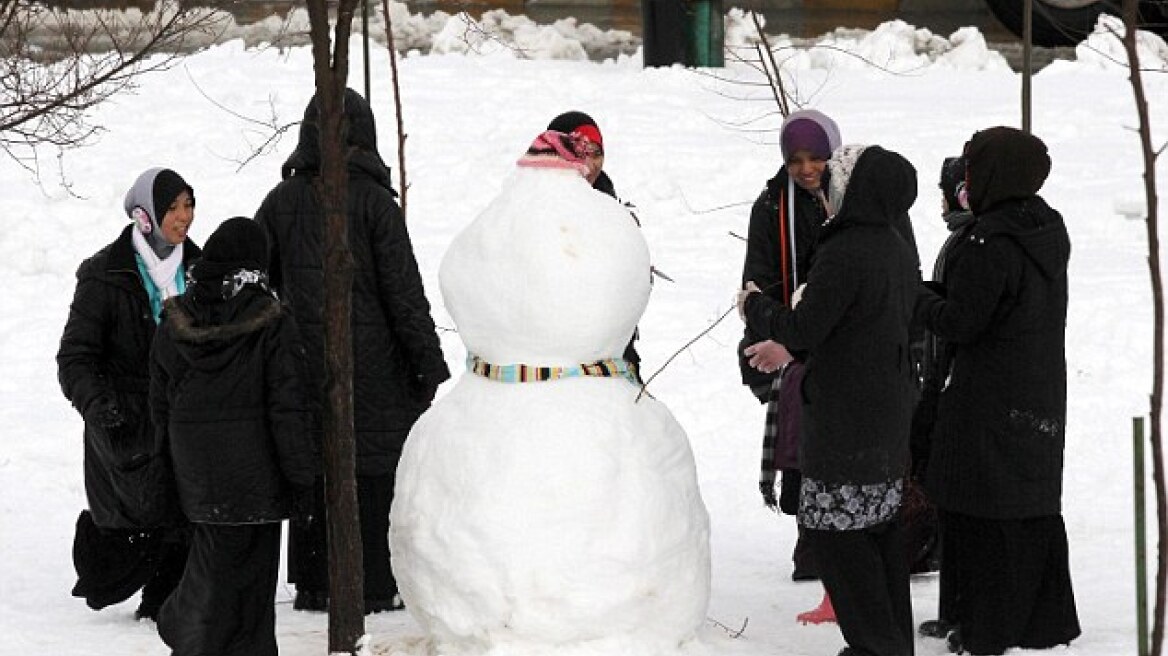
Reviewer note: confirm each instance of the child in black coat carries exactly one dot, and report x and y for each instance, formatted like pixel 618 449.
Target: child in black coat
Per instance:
pixel 228 402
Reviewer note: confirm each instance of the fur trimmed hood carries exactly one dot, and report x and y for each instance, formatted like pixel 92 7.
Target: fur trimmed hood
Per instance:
pixel 210 335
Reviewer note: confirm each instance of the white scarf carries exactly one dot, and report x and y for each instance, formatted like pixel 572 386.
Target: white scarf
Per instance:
pixel 162 272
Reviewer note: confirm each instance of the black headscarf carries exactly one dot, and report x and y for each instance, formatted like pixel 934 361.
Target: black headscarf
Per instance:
pixel 360 136
pixel 1004 163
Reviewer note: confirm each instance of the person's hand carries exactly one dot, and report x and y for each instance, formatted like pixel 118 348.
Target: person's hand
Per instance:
pixel 768 495
pixel 740 300
pixel 767 356
pixel 104 412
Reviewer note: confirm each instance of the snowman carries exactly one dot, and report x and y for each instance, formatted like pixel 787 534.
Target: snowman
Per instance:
pixel 542 507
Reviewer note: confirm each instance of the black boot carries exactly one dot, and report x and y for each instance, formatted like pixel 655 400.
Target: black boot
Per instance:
pixel 310 600
pixel 937 628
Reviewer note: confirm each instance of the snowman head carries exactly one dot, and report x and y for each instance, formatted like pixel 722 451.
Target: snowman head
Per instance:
pixel 551 273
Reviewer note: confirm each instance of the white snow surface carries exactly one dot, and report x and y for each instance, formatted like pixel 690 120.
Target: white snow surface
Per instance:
pixel 512 531
pixel 691 149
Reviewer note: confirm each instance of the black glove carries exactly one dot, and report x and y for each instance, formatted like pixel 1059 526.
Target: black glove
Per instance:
pixel 768 495
pixel 104 412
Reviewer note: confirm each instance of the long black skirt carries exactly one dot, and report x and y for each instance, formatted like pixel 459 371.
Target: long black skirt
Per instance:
pixel 1011 582
pixel 114 563
pixel 225 604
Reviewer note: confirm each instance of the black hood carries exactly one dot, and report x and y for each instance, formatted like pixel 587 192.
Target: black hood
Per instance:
pixel 210 334
pixel 1036 227
pixel 360 136
pixel 1004 164
pixel 878 187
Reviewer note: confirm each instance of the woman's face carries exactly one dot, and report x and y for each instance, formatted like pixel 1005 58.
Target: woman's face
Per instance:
pixel 178 218
pixel 593 156
pixel 806 169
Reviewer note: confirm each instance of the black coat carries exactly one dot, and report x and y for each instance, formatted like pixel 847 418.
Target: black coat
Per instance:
pixel 397 358
pixel 227 394
pixel 998 444
pixel 105 351
pixel 938 354
pixel 766 255
pixel 768 259
pixel 997 448
pixel 853 322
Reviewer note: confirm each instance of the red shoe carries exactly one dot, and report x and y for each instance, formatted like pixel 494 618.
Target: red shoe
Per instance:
pixel 818 615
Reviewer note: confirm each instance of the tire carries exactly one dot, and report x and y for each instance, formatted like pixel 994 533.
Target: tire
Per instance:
pixel 1052 25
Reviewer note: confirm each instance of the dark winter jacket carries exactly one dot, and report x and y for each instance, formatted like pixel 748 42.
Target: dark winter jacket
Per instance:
pixel 397 359
pixel 853 322
pixel 938 354
pixel 768 254
pixel 227 395
pixel 604 185
pixel 998 444
pixel 105 354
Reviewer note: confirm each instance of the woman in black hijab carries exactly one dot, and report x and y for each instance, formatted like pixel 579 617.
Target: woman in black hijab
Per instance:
pixel 996 463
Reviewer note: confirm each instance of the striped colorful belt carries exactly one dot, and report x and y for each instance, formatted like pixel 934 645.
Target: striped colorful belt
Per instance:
pixel 525 373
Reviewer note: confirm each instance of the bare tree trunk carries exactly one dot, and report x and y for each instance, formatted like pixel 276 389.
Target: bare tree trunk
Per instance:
pixel 1150 154
pixel 346 573
pixel 397 106
pixel 1027 61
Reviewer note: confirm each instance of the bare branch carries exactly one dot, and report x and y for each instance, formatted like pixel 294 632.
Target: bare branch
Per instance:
pixel 397 105
pixel 56 66
pixel 734 634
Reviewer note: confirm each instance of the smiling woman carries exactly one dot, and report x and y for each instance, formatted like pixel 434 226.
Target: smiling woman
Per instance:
pixel 125 540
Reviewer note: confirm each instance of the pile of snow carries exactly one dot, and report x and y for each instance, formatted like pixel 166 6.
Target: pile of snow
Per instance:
pixel 1103 48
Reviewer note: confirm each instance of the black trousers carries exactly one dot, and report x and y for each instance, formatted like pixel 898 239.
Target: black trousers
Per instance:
pixel 225 603
pixel 308 543
pixel 1011 582
pixel 866 574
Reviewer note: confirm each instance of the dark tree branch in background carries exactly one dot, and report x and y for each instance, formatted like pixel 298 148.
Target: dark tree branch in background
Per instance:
pixel 57 65
pixel 271 128
pixel 776 80
pixel 1130 45
pixel 397 106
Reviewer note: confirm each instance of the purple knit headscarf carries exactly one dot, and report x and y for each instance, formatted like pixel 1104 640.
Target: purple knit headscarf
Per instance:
pixel 809 130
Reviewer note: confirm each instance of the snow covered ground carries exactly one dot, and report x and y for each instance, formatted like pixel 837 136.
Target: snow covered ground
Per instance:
pixel 691 149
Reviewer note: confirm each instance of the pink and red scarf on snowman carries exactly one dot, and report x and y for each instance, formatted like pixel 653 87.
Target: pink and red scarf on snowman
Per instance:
pixel 556 150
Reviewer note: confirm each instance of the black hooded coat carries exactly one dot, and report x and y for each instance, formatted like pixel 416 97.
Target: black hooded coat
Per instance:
pixel 853 323
pixel 397 358
pixel 998 443
pixel 227 394
pixel 105 354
